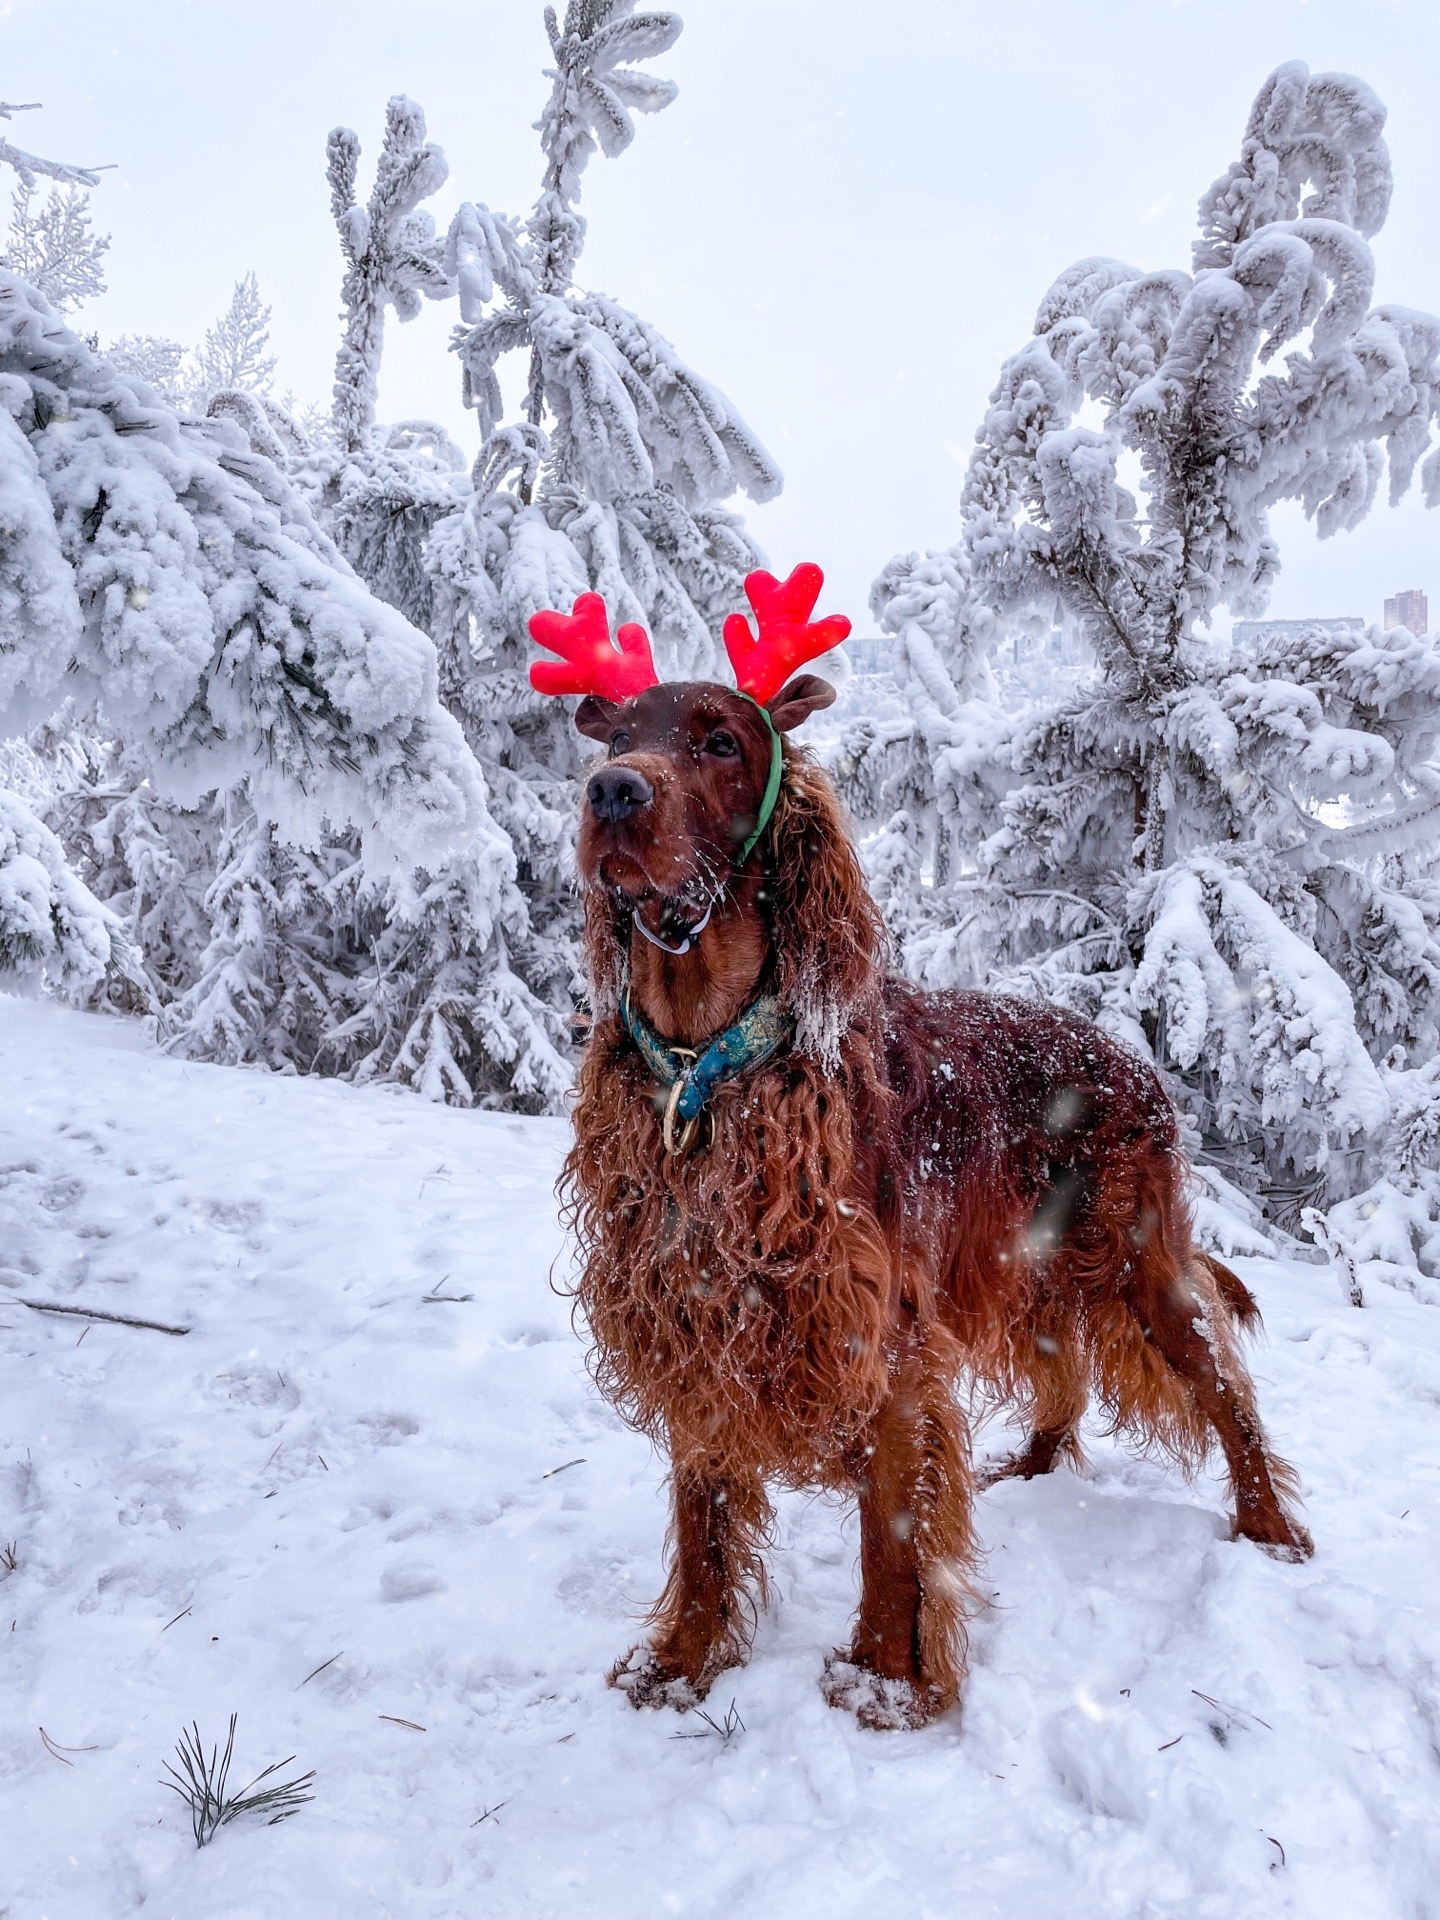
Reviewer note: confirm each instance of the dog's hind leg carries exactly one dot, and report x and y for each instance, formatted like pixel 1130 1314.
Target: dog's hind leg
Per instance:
pixel 703 1619
pixel 1190 1322
pixel 1160 1320
pixel 917 1548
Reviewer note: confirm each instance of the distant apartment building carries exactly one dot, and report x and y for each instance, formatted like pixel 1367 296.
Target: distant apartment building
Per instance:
pixel 1410 610
pixel 871 655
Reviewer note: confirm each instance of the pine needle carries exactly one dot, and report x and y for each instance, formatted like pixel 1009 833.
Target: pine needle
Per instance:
pixel 203 1784
pixel 726 1728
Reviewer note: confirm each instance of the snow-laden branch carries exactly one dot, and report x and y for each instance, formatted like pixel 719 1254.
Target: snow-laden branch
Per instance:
pixel 29 165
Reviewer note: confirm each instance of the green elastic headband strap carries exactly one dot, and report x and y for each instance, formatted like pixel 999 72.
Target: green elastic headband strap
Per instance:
pixel 772 785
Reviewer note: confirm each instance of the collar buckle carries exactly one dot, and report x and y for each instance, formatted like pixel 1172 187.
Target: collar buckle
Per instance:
pixel 679 1141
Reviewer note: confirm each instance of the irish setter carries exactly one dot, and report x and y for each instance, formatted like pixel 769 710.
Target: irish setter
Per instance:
pixel 907 1196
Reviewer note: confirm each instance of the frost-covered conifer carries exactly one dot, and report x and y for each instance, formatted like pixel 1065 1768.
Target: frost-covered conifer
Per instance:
pixel 162 571
pixel 54 246
pixel 1226 852
pixel 52 927
pixel 170 587
pixel 392 255
pixel 156 360
pixel 639 450
pixel 612 479
pixel 380 490
pixel 232 356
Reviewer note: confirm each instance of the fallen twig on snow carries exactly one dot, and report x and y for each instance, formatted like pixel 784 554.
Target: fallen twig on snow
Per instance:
pixel 96 1313
pixel 395 1720
pixel 550 1475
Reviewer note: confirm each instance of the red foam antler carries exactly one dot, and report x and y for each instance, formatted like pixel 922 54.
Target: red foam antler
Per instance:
pixel 589 663
pixel 788 636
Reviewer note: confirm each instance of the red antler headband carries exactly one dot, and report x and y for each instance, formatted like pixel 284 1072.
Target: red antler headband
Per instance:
pixel 591 663
pixel 787 638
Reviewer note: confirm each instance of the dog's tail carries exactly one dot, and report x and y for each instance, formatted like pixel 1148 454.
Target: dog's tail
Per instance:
pixel 1244 1308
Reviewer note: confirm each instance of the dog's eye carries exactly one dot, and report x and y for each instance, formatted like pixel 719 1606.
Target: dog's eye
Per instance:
pixel 619 743
pixel 723 745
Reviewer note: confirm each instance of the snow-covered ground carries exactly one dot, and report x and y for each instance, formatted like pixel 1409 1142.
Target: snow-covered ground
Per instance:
pixel 331 1469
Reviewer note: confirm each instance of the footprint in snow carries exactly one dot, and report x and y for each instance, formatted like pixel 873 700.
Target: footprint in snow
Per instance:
pixel 233 1216
pixel 387 1429
pixel 256 1386
pixel 409 1580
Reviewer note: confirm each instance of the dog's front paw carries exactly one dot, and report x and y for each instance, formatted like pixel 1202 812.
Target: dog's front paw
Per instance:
pixel 647 1682
pixel 882 1704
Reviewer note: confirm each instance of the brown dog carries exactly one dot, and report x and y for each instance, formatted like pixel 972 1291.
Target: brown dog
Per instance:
pixel 898 1193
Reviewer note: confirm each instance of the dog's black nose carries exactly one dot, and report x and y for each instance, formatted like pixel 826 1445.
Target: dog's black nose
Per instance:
pixel 616 792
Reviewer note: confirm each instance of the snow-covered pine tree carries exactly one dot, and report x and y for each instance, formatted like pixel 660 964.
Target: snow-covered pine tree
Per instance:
pixel 379 490
pixel 156 360
pixel 159 567
pixel 232 356
pixel 54 246
pixel 52 928
pixel 1225 852
pixel 173 590
pixel 641 450
pixel 612 479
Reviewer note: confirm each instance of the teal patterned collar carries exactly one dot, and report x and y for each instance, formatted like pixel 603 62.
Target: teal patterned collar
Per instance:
pixel 693 1075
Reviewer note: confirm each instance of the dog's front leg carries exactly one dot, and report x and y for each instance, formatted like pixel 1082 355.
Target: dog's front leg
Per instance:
pixel 703 1619
pixel 917 1548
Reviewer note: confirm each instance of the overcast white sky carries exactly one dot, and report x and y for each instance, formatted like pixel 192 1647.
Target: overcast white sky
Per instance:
pixel 846 220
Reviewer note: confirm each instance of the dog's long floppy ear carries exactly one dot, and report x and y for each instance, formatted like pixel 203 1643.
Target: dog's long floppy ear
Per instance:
pixel 595 718
pixel 807 693
pixel 830 942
